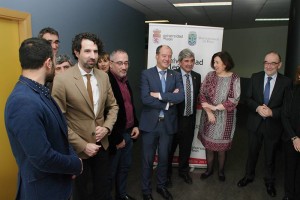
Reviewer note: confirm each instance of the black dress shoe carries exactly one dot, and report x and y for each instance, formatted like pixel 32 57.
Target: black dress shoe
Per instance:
pixel 244 181
pixel 271 190
pixel 205 175
pixel 164 193
pixel 222 177
pixel 169 183
pixel 186 177
pixel 147 197
pixel 126 197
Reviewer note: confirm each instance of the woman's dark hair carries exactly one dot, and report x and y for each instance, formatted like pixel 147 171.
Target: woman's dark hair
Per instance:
pixel 226 59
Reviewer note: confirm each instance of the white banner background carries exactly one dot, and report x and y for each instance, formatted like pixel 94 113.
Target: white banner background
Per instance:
pixel 204 42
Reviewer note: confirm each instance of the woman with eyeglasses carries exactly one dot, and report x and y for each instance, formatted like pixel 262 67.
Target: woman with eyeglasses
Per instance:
pixel 291 123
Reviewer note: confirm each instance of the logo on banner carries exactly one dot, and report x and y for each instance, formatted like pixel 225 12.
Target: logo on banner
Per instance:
pixel 156 36
pixel 192 38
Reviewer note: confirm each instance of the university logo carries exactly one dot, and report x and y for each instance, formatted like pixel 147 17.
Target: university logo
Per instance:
pixel 192 38
pixel 156 36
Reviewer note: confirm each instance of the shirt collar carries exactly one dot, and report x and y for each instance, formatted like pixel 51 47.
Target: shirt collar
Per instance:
pixel 35 86
pixel 83 73
pixel 273 77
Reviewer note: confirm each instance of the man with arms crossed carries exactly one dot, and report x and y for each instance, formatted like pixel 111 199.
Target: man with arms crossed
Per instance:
pixel 186 116
pixel 161 90
pixel 84 94
pixel 37 129
pixel 264 100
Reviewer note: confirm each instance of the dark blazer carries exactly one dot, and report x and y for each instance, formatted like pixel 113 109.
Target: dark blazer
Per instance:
pixel 291 113
pixel 196 78
pixel 120 125
pixel 255 98
pixel 38 134
pixel 150 82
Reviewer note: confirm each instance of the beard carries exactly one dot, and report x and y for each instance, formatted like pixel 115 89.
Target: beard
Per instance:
pixel 90 65
pixel 50 75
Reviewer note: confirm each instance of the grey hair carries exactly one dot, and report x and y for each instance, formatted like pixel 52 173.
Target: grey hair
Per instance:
pixel 185 53
pixel 112 54
pixel 63 58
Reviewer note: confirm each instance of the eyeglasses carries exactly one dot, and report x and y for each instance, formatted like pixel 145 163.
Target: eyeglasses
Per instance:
pixel 273 64
pixel 120 63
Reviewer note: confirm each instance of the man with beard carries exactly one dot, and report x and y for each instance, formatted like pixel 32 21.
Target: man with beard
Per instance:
pixel 84 95
pixel 37 129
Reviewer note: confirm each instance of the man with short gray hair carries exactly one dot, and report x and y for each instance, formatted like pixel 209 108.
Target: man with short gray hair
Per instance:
pixel 186 116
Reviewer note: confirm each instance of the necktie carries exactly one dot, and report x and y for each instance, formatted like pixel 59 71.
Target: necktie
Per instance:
pixel 188 103
pixel 89 87
pixel 267 91
pixel 163 85
pixel 163 80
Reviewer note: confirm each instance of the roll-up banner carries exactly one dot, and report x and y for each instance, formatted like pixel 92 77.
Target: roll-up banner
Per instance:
pixel 204 42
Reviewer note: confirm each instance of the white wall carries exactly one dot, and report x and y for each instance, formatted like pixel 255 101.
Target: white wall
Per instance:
pixel 249 46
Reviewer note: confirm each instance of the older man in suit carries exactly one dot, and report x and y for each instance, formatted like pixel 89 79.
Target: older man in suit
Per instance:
pixel 186 116
pixel 84 94
pixel 161 90
pixel 37 129
pixel 264 99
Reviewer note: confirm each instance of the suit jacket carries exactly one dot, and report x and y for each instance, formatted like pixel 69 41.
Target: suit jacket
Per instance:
pixel 196 79
pixel 255 98
pixel 70 93
pixel 37 132
pixel 150 82
pixel 291 113
pixel 116 136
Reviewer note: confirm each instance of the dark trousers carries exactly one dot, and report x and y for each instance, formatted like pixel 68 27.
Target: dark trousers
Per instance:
pixel 292 171
pixel 92 184
pixel 270 142
pixel 184 139
pixel 120 164
pixel 160 140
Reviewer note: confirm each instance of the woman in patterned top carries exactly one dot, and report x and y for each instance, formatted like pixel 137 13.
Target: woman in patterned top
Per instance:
pixel 219 96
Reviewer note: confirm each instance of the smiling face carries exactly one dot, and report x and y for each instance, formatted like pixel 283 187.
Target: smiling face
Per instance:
pixel 219 66
pixel 163 58
pixel 88 55
pixel 187 64
pixel 272 64
pixel 103 65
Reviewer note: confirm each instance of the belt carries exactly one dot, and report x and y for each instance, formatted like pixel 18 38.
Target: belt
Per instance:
pixel 161 119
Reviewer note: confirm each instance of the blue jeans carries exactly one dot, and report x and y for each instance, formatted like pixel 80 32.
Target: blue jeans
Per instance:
pixel 120 164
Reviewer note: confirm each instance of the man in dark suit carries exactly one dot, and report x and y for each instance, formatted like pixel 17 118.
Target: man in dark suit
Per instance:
pixel 37 129
pixel 126 126
pixel 264 99
pixel 161 90
pixel 186 116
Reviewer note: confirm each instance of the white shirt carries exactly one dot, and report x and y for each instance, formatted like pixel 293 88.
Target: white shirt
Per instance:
pixel 95 87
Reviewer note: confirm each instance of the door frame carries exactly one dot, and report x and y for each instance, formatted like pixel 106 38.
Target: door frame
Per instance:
pixel 24 21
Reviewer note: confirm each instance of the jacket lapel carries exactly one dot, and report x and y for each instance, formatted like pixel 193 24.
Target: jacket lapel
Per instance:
pixel 261 87
pixel 81 87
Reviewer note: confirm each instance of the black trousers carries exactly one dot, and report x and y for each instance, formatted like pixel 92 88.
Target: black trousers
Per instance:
pixel 291 171
pixel 92 184
pixel 256 140
pixel 184 139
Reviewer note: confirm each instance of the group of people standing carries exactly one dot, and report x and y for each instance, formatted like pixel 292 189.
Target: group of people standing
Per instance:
pixel 79 133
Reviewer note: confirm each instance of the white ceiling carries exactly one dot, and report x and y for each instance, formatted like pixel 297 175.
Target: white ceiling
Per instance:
pixel 241 14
